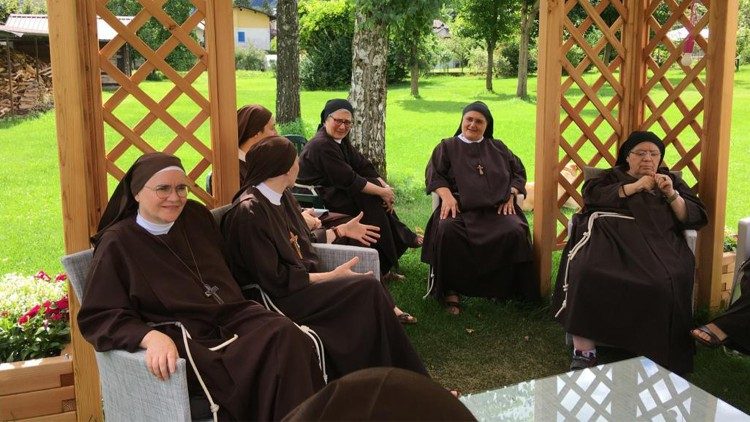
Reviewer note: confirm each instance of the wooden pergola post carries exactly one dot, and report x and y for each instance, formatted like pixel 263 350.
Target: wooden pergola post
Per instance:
pixel 80 139
pixel 547 138
pixel 715 147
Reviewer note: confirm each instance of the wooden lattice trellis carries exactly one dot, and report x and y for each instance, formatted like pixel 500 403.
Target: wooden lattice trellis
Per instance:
pixel 132 136
pixel 608 67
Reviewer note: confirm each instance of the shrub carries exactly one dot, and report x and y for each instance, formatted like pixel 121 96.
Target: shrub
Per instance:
pixel 249 58
pixel 33 316
pixel 327 65
pixel 296 127
pixel 507 63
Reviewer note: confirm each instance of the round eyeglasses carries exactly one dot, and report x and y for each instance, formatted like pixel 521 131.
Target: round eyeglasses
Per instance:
pixel 165 191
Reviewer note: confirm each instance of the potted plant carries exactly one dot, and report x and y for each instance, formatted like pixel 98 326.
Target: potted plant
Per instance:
pixel 34 328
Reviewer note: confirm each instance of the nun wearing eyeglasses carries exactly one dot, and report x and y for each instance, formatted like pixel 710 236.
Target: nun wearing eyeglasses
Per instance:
pixel 158 281
pixel 349 184
pixel 628 282
pixel 477 241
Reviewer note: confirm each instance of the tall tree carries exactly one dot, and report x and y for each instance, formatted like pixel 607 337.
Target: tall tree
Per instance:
pixel 369 88
pixel 489 21
pixel 528 13
pixel 416 22
pixel 287 64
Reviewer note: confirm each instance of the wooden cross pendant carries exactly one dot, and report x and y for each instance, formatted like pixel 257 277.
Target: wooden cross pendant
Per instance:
pixel 480 169
pixel 212 291
pixel 293 240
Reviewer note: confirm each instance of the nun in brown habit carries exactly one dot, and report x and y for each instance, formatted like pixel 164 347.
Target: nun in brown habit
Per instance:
pixel 478 240
pixel 382 394
pixel 268 244
pixel 255 122
pixel 628 282
pixel 349 184
pixel 158 272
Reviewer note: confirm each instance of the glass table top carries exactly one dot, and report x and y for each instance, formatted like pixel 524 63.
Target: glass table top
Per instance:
pixel 631 390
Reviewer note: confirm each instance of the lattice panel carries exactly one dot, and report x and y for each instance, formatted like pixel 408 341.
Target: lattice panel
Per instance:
pixel 592 93
pixel 177 122
pixel 673 101
pixel 585 395
pixel 593 87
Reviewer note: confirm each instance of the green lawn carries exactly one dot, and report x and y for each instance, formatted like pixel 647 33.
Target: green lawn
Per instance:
pixel 490 345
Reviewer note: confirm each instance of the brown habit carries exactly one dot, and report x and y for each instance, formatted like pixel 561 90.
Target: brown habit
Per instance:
pixel 135 280
pixel 354 315
pixel 735 322
pixel 339 173
pixel 479 252
pixel 631 285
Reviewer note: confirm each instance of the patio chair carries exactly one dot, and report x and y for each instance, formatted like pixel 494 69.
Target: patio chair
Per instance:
pixel 331 256
pixel 742 259
pixel 435 205
pixel 129 391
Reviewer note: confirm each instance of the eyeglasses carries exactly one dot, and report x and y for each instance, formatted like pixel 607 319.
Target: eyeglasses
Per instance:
pixel 339 122
pixel 643 154
pixel 165 191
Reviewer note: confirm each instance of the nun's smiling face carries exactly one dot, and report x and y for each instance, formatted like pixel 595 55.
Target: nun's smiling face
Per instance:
pixel 163 197
pixel 473 125
pixel 339 123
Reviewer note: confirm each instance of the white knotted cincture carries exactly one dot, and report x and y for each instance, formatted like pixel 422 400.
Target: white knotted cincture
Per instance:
pixel 185 336
pixel 430 282
pixel 317 341
pixel 581 243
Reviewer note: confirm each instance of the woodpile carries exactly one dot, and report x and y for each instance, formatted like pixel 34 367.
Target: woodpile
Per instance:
pixel 29 88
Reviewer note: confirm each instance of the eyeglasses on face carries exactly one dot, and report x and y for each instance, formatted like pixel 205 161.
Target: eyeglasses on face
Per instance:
pixel 643 154
pixel 339 122
pixel 165 191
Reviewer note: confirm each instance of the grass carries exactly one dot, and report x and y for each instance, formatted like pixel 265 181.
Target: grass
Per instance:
pixel 489 345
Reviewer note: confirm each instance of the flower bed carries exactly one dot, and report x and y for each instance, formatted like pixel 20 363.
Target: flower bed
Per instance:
pixel 33 316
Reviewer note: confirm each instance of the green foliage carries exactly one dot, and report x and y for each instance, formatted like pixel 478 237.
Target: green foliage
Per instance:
pixel 21 6
pixel 507 64
pixel 743 32
pixel 154 34
pixel 326 29
pixel 730 240
pixel 296 127
pixel 249 58
pixel 33 316
pixel 490 21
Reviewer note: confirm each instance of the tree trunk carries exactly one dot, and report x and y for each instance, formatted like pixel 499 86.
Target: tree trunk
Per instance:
pixel 490 60
pixel 523 52
pixel 368 90
pixel 414 68
pixel 287 64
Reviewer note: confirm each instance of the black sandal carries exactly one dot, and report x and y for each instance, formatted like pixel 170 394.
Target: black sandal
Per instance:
pixel 452 304
pixel 406 318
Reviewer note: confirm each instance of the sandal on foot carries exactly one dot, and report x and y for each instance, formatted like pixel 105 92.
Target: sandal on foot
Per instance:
pixel 714 341
pixel 453 304
pixel 406 318
pixel 393 276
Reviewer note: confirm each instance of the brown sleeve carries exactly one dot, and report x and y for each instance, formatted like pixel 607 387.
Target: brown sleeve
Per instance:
pixel 436 173
pixel 108 318
pixel 696 211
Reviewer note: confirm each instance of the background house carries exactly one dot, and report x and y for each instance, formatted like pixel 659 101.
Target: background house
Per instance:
pixel 252 27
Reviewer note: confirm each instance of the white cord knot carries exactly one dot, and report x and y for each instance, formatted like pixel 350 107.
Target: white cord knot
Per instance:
pixel 214 408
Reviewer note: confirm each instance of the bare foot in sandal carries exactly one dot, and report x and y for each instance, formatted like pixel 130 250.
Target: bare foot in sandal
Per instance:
pixel 404 317
pixel 452 304
pixel 709 335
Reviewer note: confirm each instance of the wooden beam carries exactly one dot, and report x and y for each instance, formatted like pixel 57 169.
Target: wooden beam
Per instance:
pixel 80 139
pixel 223 101
pixel 712 186
pixel 547 138
pixel 634 68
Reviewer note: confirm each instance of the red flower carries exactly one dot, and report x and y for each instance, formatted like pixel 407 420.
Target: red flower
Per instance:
pixel 41 275
pixel 23 320
pixel 61 277
pixel 33 311
pixel 56 317
pixel 62 304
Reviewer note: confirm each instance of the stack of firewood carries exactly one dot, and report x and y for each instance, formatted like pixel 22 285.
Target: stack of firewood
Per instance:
pixel 28 88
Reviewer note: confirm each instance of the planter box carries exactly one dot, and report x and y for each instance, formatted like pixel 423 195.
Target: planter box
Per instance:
pixel 727 277
pixel 38 390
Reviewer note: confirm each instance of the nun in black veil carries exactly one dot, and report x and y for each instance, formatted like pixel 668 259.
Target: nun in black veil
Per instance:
pixel 478 240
